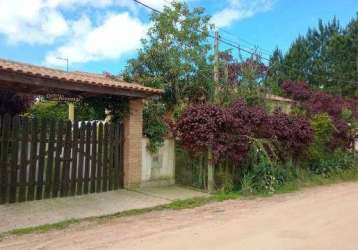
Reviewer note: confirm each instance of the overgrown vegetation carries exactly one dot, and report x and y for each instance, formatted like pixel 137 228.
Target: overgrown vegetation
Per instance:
pixel 13 104
pixel 258 152
pixel 154 127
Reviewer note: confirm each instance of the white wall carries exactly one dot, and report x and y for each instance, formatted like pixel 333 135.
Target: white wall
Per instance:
pixel 158 169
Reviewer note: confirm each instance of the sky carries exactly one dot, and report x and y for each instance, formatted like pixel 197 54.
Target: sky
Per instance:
pixel 101 35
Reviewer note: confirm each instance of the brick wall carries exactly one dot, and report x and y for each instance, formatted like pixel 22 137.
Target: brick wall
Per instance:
pixel 132 151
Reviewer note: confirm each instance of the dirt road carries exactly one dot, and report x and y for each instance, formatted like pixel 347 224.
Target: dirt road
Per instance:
pixel 319 218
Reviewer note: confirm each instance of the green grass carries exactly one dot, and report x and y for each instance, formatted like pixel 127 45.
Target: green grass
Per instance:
pixel 41 229
pixel 304 180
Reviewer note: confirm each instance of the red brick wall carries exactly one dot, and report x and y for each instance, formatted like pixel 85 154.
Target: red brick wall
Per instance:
pixel 132 151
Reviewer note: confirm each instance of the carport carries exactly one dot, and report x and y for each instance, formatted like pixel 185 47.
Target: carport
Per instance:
pixel 26 79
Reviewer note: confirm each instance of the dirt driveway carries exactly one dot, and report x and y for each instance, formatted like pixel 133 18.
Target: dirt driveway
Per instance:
pixel 319 218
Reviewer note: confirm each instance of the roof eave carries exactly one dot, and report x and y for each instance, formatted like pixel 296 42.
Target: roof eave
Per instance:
pixel 81 86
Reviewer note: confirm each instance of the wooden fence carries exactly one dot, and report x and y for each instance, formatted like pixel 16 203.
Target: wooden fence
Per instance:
pixel 42 159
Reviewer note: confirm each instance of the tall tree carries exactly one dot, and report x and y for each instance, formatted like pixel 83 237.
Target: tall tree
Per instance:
pixel 174 55
pixel 326 58
pixel 276 72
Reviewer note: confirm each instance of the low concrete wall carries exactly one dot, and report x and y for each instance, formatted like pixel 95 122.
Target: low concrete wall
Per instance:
pixel 158 169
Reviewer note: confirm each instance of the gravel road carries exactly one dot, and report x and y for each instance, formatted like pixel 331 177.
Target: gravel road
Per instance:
pixel 318 218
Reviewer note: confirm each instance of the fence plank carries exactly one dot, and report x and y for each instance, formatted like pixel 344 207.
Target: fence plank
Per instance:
pixel 116 166
pixel 42 153
pixel 121 162
pixel 111 155
pixel 87 157
pixel 23 158
pixel 57 172
pixel 105 158
pixel 4 158
pixel 50 158
pixel 33 159
pixel 66 159
pixel 74 158
pixel 81 159
pixel 100 157
pixel 93 157
pixel 14 158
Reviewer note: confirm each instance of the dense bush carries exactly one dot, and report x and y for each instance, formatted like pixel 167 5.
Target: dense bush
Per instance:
pixel 333 163
pixel 49 110
pixel 230 132
pixel 199 128
pixel 154 127
pixel 315 102
pixel 323 130
pixel 293 133
pixel 256 146
pixel 297 90
pixel 266 177
pixel 13 104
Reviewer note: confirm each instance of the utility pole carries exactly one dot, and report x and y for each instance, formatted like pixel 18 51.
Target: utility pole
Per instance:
pixel 216 65
pixel 211 180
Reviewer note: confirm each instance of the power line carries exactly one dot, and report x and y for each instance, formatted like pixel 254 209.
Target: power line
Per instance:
pixel 232 44
pixel 245 41
pixel 147 6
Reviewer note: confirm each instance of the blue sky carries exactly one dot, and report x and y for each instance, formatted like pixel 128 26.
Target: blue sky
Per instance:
pixel 101 35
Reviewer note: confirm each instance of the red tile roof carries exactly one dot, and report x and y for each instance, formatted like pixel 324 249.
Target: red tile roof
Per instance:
pixel 76 77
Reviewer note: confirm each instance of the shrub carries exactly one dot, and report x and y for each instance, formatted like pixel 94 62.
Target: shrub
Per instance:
pixel 51 110
pixel 266 177
pixel 198 127
pixel 293 133
pixel 13 104
pixel 297 90
pixel 336 162
pixel 343 112
pixel 323 131
pixel 154 126
pixel 230 132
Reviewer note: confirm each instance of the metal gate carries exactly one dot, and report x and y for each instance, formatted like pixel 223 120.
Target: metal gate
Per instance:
pixel 42 159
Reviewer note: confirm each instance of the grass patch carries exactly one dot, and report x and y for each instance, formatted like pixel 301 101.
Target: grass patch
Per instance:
pixel 41 229
pixel 303 180
pixel 306 180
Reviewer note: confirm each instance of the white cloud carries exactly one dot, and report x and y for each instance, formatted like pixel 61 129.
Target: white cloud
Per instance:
pixel 111 32
pixel 30 21
pixel 240 9
pixel 42 21
pixel 117 35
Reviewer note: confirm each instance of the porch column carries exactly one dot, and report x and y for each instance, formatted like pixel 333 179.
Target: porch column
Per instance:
pixel 71 112
pixel 132 146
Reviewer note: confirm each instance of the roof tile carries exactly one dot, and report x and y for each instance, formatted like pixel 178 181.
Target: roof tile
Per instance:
pixel 80 77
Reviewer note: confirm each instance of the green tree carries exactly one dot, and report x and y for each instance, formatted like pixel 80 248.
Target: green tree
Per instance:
pixel 276 72
pixel 174 56
pixel 295 63
pixel 326 57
